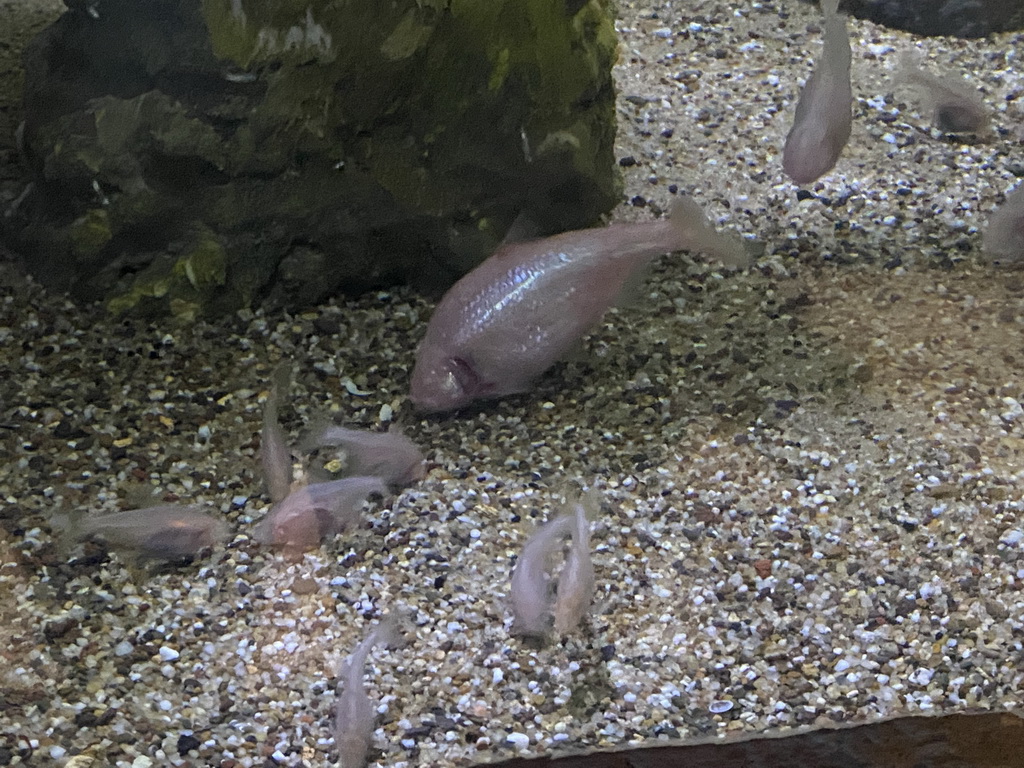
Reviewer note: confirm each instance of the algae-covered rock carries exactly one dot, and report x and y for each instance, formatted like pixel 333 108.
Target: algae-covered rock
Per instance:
pixel 203 155
pixel 955 18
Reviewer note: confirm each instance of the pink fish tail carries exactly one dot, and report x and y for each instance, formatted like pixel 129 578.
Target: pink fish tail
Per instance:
pixel 695 233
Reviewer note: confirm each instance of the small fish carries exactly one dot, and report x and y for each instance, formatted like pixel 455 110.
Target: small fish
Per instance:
pixel 164 532
pixel 275 455
pixel 353 712
pixel 1003 241
pixel 514 316
pixel 391 456
pixel 532 590
pixel 312 512
pixel 955 106
pixel 821 127
pixel 576 580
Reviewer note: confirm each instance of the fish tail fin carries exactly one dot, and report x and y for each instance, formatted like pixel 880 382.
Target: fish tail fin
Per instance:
pixel 695 233
pixel 910 70
pixel 68 528
pixel 389 633
pixel 829 8
pixel 281 382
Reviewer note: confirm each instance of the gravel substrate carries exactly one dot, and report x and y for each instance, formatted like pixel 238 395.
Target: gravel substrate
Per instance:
pixel 813 471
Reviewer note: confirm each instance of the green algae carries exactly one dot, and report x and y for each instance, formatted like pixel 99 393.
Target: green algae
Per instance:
pixel 395 141
pixel 89 234
pixel 187 284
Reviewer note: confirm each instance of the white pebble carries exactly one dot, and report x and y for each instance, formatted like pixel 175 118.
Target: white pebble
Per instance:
pixel 1013 410
pixel 1012 538
pixel 520 740
pixel 168 654
pixel 720 706
pixel 352 388
pixel 123 648
pixel 922 676
pixel 663 32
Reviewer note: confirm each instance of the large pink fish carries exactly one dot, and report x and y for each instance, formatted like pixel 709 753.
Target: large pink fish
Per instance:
pixel 822 124
pixel 514 316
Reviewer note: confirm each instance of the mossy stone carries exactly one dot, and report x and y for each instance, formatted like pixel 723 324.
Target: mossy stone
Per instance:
pixel 322 146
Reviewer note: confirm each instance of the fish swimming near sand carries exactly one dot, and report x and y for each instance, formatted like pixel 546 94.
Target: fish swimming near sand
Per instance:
pixel 956 107
pixel 275 454
pixel 519 312
pixel 354 713
pixel 162 532
pixel 1003 241
pixel 312 512
pixel 391 456
pixel 821 127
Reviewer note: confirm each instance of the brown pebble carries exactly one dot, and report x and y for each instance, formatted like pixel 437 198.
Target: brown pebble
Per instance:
pixel 304 586
pixel 763 568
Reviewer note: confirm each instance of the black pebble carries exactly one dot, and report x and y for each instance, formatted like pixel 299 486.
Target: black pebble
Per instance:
pixel 627 161
pixel 186 743
pixel 85 719
pixel 607 653
pixel 327 326
pixel 803 194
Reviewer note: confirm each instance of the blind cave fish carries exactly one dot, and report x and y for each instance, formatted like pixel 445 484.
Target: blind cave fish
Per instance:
pixel 520 311
pixel 823 113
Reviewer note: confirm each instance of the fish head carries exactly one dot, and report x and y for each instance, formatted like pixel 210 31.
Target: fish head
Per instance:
pixel 442 383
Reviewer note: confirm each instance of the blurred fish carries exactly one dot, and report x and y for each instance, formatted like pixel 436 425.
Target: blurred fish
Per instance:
pixel 354 713
pixel 823 115
pixel 1003 241
pixel 163 532
pixel 955 106
pixel 532 590
pixel 391 456
pixel 514 316
pixel 576 580
pixel 275 455
pixel 312 512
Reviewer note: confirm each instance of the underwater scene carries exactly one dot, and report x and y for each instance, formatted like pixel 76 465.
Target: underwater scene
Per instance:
pixel 442 383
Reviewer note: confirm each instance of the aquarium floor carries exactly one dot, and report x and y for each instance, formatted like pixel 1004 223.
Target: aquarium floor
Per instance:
pixel 812 471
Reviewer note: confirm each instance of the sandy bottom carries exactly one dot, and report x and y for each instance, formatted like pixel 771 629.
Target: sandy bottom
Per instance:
pixel 811 470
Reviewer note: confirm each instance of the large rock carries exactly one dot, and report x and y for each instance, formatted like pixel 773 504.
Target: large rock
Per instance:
pixel 956 18
pixel 203 155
